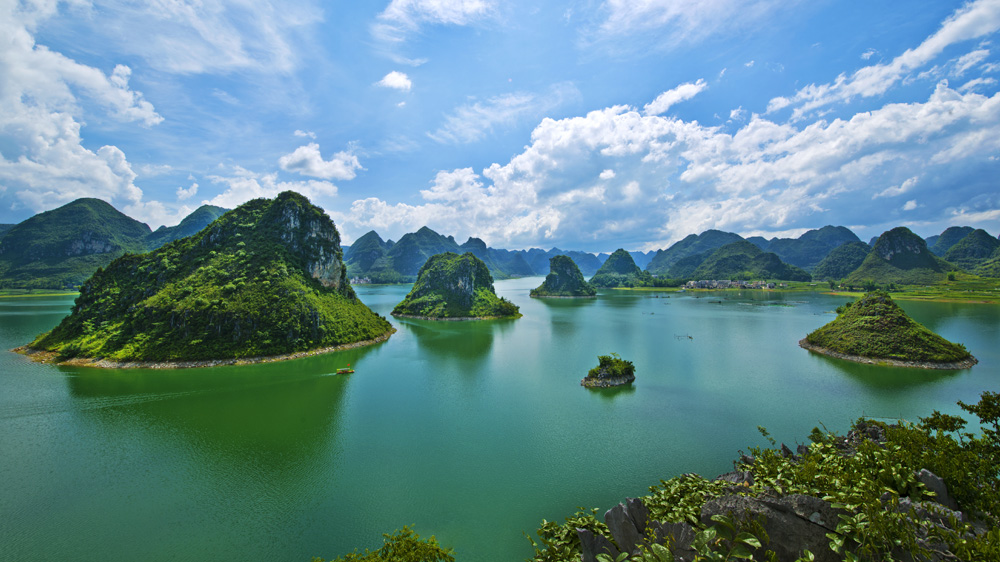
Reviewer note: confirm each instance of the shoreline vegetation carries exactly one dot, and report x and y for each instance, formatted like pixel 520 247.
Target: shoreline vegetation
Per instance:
pixel 950 366
pixel 53 357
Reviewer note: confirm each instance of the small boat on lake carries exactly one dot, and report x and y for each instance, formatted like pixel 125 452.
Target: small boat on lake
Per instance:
pixel 345 370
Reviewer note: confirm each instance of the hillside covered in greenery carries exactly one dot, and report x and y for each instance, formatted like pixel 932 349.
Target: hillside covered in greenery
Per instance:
pixel 266 278
pixel 876 327
pixel 61 248
pixel 973 251
pixel 189 226
pixel 744 260
pixel 564 280
pixel 842 261
pixel 399 262
pixel 450 285
pixel 619 270
pixel 899 256
pixel 692 244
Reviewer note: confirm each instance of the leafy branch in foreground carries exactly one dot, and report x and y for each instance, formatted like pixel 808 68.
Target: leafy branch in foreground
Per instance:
pixel 404 545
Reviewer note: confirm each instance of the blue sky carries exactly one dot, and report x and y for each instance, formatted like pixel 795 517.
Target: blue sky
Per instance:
pixel 585 125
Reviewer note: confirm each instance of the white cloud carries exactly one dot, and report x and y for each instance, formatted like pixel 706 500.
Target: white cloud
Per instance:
pixel 971 21
pixel 403 17
pixel 607 174
pixel 683 177
pixel 307 160
pixel 683 92
pixel 977 83
pixel 473 122
pixel 396 80
pixel 243 185
pixel 868 54
pixel 968 61
pixel 898 190
pixel 206 36
pixel 738 114
pixel 304 134
pixel 910 205
pixel 44 100
pixel 749 64
pixel 674 22
pixel 186 193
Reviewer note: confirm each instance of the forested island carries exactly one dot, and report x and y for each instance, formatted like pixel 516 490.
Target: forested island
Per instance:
pixel 875 329
pixel 564 280
pixel 265 279
pixel 450 286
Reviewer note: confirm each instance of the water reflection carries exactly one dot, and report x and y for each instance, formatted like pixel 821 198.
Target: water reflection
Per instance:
pixel 887 378
pixel 613 393
pixel 565 314
pixel 463 344
pixel 272 415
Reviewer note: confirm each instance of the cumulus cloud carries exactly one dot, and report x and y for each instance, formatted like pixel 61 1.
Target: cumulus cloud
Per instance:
pixel 607 174
pixel 307 161
pixel 664 101
pixel 910 205
pixel 187 193
pixel 396 80
pixel 43 102
pixel 971 21
pixel 304 134
pixel 675 177
pixel 403 17
pixel 242 185
pixel 473 122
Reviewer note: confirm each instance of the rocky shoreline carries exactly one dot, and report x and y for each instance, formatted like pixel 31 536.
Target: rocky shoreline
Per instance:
pixel 956 365
pixel 453 318
pixel 594 382
pixel 45 356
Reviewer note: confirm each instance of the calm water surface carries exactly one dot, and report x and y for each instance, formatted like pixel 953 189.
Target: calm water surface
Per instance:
pixel 472 431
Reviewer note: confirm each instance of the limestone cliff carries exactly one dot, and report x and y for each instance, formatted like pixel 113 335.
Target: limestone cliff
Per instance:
pixel 564 280
pixel 264 279
pixel 454 286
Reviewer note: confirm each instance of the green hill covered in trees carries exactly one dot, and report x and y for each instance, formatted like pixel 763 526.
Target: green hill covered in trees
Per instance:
pixel 265 279
pixel 455 286
pixel 619 270
pixel 900 256
pixel 692 244
pixel 61 248
pixel 842 261
pixel 564 280
pixel 875 327
pixel 744 260
pixel 973 251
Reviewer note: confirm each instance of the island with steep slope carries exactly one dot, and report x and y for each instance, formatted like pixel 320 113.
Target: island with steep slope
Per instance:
pixel 450 286
pixel 564 280
pixel 266 279
pixel 619 270
pixel 874 329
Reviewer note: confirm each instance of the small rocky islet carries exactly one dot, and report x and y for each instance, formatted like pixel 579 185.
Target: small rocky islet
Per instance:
pixel 450 286
pixel 874 329
pixel 611 371
pixel 564 281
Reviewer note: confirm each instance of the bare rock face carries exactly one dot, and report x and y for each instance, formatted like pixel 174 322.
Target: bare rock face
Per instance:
pixel 90 243
pixel 314 237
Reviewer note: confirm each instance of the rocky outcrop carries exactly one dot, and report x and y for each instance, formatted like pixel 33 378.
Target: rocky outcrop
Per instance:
pixel 454 286
pixel 564 280
pixel 619 270
pixel 791 523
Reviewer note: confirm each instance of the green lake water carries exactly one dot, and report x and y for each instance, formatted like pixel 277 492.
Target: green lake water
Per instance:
pixel 471 431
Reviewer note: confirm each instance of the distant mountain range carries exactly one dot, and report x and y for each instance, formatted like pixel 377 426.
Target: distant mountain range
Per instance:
pixel 63 247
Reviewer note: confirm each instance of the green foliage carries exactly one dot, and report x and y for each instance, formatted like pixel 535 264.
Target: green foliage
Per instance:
pixel 744 260
pixel 404 545
pixel 841 261
pixel 191 225
pixel 619 270
pixel 611 366
pixel 900 256
pixel 704 243
pixel 559 542
pixel 240 288
pixel 865 478
pixel 951 236
pixel 876 327
pixel 972 251
pixel 455 286
pixel 564 280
